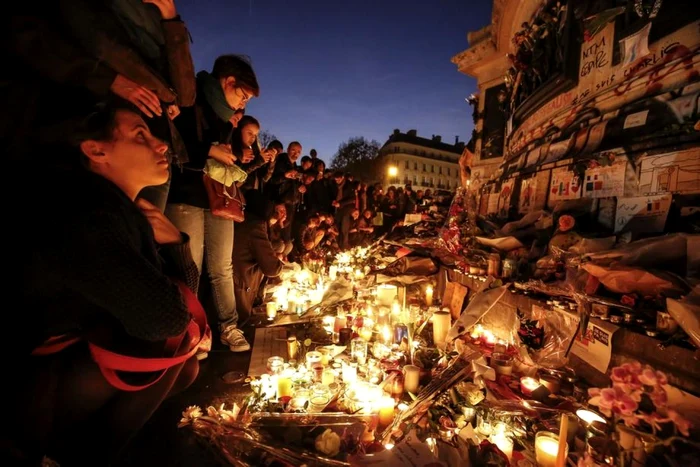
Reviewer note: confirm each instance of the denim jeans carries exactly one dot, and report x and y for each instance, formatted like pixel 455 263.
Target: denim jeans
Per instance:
pixel 214 236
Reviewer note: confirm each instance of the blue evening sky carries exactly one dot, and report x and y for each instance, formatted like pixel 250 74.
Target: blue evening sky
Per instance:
pixel 334 69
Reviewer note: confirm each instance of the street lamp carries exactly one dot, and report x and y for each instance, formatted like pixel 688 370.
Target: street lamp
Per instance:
pixel 393 171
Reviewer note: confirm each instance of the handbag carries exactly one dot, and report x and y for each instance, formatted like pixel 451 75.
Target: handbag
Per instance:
pixel 110 363
pixel 225 202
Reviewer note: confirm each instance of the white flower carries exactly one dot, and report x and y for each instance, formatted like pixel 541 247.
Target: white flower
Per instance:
pixel 328 443
pixel 189 415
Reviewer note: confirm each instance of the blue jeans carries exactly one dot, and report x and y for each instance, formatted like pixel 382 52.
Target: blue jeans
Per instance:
pixel 214 236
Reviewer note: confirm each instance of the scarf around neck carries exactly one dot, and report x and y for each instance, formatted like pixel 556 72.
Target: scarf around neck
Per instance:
pixel 215 95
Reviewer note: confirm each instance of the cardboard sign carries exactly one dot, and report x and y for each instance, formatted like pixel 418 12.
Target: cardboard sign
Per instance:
pixel 565 185
pixel 454 296
pixel 595 346
pixel 642 214
pixel 605 182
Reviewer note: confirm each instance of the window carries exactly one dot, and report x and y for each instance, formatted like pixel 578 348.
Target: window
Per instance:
pixel 432 169
pixel 415 179
pixel 423 180
pixel 448 184
pixel 440 170
pixel 407 164
pixel 448 172
pixel 415 166
pixel 424 168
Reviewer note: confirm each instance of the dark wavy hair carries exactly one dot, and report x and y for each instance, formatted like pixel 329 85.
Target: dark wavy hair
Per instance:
pixel 239 67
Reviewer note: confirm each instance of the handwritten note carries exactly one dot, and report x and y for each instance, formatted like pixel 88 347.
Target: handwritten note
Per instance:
pixel 605 181
pixel 533 192
pixel 411 452
pixel 642 214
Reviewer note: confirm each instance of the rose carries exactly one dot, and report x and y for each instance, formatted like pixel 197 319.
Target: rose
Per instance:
pixel 566 223
pixel 328 443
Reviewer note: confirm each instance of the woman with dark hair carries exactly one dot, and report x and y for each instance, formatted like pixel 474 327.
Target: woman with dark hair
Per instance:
pixel 207 129
pixel 103 277
pixel 244 145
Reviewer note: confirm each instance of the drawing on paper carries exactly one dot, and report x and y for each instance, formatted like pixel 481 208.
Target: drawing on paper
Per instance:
pixel 677 172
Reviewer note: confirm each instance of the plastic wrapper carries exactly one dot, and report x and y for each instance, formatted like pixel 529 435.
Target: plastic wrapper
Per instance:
pixel 227 175
pixel 626 280
pixel 559 330
pixel 411 265
pixel 686 312
pixel 479 306
pixel 529 219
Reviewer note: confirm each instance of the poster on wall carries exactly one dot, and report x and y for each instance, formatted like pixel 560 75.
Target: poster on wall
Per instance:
pixel 678 172
pixel 504 197
pixel 494 123
pixel 565 185
pixel 635 46
pixel 605 181
pixel 533 192
pixel 492 207
pixel 642 214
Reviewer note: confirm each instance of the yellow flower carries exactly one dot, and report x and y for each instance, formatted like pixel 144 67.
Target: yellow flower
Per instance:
pixel 189 415
pixel 328 443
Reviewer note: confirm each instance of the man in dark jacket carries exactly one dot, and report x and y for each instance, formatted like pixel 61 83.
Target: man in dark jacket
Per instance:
pixel 254 258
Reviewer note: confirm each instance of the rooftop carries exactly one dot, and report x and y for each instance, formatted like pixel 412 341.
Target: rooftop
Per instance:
pixel 435 142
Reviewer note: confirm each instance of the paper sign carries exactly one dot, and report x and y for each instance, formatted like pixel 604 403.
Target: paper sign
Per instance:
pixel 456 302
pixel 636 119
pixel 533 192
pixel 412 219
pixel 492 207
pixel 642 213
pixel 635 46
pixel 606 212
pixel 565 185
pixel 595 346
pixel 605 182
pixel 505 196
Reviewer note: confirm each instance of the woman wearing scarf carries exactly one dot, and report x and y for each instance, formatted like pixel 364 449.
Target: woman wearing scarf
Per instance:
pixel 206 129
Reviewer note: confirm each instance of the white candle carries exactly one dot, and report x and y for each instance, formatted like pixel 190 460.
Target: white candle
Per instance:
pixel 386 294
pixel 441 326
pixel 546 449
pixel 589 417
pixel 333 272
pixel 271 308
pixel 350 373
pixel 386 410
pixel 429 295
pixel 411 378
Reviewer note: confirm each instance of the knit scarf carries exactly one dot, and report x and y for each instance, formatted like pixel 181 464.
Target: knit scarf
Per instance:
pixel 215 95
pixel 142 23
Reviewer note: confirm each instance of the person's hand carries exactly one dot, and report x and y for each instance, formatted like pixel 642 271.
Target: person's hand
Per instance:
pixel 164 231
pixel 145 99
pixel 222 153
pixel 173 111
pixel 291 174
pixel 247 156
pixel 166 7
pixel 335 204
pixel 267 155
pixel 302 189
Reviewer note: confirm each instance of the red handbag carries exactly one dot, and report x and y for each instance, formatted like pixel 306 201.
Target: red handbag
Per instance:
pixel 225 202
pixel 111 362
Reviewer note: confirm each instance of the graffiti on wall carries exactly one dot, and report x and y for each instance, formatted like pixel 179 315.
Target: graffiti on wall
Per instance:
pixel 671 64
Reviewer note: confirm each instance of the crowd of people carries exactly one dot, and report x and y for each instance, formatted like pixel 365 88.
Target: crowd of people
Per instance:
pixel 103 98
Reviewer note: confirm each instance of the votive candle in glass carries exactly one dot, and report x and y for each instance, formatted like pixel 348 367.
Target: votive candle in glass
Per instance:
pixel 502 363
pixel 271 309
pixel 386 410
pixel 411 378
pixel 350 373
pixel 528 385
pixel 312 357
pixel 546 449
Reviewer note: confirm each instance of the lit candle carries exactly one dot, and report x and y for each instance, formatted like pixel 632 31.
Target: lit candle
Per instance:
pixel 350 373
pixel 313 357
pixel 546 449
pixel 328 377
pixel 411 378
pixel 365 332
pixel 588 416
pixel 528 385
pixel 386 411
pixel 441 326
pixel 489 338
pixel 333 272
pixel 551 382
pixel 386 294
pixel 284 384
pixel 396 307
pixel 386 334
pixel 502 363
pixel 429 295
pixel 271 309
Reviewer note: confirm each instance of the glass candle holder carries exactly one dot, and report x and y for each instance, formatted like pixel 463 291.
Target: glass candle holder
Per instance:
pixel 312 357
pixel 358 350
pixel 275 364
pixel 319 398
pixel 547 448
pixel 502 363
pixel 271 309
pixel 350 373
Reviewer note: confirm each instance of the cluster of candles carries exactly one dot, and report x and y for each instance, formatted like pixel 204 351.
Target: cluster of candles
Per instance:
pixel 298 295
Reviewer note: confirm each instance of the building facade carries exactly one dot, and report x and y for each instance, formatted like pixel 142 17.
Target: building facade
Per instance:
pixel 598 101
pixel 423 163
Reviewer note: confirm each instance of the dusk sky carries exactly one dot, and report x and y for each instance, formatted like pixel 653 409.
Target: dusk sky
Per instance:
pixel 330 70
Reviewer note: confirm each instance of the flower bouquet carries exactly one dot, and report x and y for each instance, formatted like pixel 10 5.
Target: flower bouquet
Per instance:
pixel 637 403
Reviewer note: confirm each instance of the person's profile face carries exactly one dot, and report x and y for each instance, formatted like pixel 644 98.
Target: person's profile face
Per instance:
pixel 249 134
